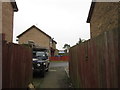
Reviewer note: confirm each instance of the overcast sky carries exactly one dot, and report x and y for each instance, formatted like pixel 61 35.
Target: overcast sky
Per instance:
pixel 63 20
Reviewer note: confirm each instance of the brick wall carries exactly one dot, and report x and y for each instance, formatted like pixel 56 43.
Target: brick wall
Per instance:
pixel 54 45
pixel 7 20
pixel 0 17
pixel 104 17
pixel 35 35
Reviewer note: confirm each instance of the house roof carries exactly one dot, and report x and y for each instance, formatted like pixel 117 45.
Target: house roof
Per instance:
pixel 54 41
pixel 91 11
pixel 30 29
pixel 14 5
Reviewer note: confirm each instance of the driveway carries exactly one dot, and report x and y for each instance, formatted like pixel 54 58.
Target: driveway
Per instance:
pixel 56 77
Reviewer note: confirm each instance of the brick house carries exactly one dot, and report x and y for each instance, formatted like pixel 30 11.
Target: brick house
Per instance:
pixel 6 15
pixel 39 37
pixel 7 10
pixel 103 16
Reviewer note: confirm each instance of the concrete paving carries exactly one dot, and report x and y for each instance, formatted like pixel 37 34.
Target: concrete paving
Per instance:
pixel 56 77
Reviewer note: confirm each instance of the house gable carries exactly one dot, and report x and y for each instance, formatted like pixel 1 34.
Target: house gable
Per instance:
pixel 36 29
pixel 36 35
pixel 7 16
pixel 103 16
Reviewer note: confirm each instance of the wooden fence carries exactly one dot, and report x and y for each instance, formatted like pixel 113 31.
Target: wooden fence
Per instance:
pixel 61 58
pixel 16 66
pixel 96 62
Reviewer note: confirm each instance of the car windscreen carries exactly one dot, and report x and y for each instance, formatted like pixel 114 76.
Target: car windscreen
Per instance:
pixel 39 54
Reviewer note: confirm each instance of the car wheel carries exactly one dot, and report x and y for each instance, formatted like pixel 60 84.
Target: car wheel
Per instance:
pixel 47 70
pixel 42 74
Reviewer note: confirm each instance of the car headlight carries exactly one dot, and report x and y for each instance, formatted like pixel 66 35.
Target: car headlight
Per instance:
pixel 38 64
pixel 34 59
pixel 44 63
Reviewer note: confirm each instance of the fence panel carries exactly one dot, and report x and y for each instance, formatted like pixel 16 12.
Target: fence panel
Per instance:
pixel 17 65
pixel 61 58
pixel 95 63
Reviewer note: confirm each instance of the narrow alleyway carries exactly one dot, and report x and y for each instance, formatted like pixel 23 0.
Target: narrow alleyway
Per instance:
pixel 56 77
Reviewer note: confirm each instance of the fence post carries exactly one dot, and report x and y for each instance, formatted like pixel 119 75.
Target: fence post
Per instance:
pixel 0 45
pixel 119 42
pixel 0 63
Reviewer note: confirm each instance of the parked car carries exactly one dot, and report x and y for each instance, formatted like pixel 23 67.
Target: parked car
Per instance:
pixel 40 61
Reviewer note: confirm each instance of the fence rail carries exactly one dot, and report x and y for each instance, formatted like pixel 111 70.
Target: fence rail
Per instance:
pixel 16 66
pixel 96 63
